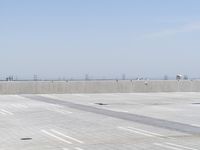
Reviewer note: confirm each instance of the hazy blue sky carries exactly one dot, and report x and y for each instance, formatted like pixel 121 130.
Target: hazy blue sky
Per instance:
pixel 71 38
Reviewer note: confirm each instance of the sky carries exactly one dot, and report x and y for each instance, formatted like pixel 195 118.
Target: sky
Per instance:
pixel 101 38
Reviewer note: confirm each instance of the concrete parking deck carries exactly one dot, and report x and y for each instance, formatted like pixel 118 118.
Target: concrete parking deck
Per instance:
pixel 131 121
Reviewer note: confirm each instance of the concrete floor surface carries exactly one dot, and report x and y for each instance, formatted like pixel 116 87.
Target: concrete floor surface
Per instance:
pixel 131 121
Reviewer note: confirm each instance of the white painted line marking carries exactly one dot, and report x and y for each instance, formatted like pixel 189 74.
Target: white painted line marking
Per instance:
pixel 130 130
pixel 24 106
pixel 118 110
pixel 81 95
pixel 67 136
pixel 7 112
pixel 148 132
pixel 56 105
pixel 2 113
pixel 59 138
pixel 77 148
pixel 176 145
pixel 172 138
pixel 19 105
pixel 60 111
pixel 196 125
pixel 124 111
pixel 166 146
pixel 14 105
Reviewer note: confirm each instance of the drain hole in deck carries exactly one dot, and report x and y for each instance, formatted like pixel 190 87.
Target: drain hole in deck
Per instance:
pixel 101 104
pixel 25 139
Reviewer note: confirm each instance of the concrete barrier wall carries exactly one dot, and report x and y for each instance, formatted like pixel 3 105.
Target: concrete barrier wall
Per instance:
pixel 111 86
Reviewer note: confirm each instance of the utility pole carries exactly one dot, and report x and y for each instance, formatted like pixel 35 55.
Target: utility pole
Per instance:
pixel 123 76
pixel 35 78
pixel 86 77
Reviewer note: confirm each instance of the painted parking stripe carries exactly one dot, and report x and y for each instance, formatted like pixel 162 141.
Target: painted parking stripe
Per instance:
pixel 58 138
pixel 181 146
pixel 62 111
pixel 196 125
pixel 78 148
pixel 59 111
pixel 174 146
pixel 6 112
pixel 148 132
pixel 19 106
pixel 134 131
pixel 166 146
pixel 125 111
pixel 2 113
pixel 69 137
